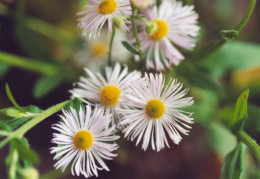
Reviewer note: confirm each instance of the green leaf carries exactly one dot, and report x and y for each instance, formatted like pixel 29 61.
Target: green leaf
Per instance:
pixel 235 55
pixel 24 151
pixel 240 113
pixel 14 118
pixel 46 84
pixel 130 47
pixel 3 69
pixel 234 163
pixel 10 96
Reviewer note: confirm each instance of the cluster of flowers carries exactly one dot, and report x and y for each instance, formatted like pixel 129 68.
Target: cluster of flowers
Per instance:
pixel 142 107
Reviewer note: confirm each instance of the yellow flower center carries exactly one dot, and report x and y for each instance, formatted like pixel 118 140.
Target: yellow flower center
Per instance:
pixel 98 49
pixel 107 7
pixel 109 95
pixel 154 109
pixel 83 140
pixel 161 31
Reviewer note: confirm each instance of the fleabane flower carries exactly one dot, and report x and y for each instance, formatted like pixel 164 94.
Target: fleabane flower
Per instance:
pixel 84 140
pixel 99 11
pixel 176 24
pixel 93 53
pixel 106 91
pixel 154 112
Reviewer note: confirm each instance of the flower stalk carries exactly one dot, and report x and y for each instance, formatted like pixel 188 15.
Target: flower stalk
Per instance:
pixel 251 144
pixel 138 44
pixel 110 46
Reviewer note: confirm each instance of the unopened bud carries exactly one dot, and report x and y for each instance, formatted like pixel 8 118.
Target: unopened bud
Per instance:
pixel 151 27
pixel 141 4
pixel 118 22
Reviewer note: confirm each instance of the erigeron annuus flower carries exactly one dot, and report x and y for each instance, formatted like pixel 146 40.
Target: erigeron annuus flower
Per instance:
pixel 99 11
pixel 106 91
pixel 176 24
pixel 93 53
pixel 84 140
pixel 155 112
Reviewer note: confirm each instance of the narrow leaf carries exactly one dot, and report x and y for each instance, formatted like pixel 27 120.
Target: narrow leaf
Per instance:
pixel 234 163
pixel 130 47
pixel 10 96
pixel 46 84
pixel 240 113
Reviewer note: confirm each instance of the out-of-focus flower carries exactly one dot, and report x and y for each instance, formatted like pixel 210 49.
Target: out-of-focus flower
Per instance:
pixel 141 4
pixel 154 112
pixel 106 90
pixel 93 53
pixel 99 11
pixel 175 24
pixel 84 140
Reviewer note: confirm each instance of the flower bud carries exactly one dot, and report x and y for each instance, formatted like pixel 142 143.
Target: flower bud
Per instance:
pixel 141 4
pixel 118 22
pixel 151 27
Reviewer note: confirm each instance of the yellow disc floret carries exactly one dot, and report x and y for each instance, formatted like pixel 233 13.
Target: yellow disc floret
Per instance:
pixel 109 95
pixel 98 49
pixel 83 140
pixel 161 31
pixel 107 7
pixel 154 109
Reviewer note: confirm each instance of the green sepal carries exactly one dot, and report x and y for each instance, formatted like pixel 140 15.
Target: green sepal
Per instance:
pixel 76 104
pixel 229 34
pixel 234 163
pixel 130 47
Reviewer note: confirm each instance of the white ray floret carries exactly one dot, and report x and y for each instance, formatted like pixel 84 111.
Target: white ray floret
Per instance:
pixel 176 24
pixel 155 112
pixel 106 91
pixel 100 11
pixel 84 141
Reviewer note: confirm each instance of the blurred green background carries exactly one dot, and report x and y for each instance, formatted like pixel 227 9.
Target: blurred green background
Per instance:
pixel 39 47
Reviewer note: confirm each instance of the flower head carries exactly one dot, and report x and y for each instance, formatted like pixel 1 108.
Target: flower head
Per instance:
pixel 84 140
pixel 106 90
pixel 93 52
pixel 155 112
pixel 174 24
pixel 99 11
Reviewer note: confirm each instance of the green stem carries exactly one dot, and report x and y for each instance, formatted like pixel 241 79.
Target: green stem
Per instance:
pixel 242 136
pixel 34 121
pixel 110 46
pixel 220 43
pixel 247 16
pixel 138 44
pixel 28 64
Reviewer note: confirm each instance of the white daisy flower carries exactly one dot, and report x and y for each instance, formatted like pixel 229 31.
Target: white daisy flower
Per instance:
pixel 99 11
pixel 155 112
pixel 106 91
pixel 93 53
pixel 175 24
pixel 84 140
